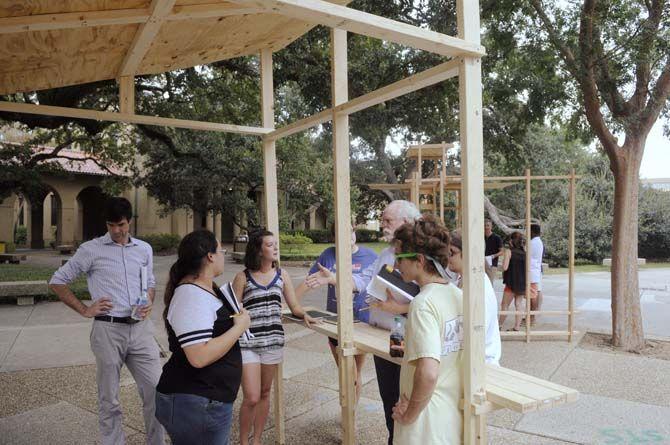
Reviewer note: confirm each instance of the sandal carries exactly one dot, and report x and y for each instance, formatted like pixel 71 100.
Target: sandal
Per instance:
pixel 513 329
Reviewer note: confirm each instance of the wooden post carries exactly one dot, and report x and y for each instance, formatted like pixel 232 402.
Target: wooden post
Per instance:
pixel 415 192
pixel 127 94
pixel 345 327
pixel 127 106
pixel 443 173
pixel 271 209
pixel 528 212
pixel 472 161
pixel 571 258
pixel 459 215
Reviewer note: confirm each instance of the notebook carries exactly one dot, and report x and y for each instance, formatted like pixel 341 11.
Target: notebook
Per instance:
pixel 229 293
pixel 387 278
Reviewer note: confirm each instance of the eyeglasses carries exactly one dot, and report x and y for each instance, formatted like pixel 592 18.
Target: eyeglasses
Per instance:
pixel 223 251
pixel 454 252
pixel 400 256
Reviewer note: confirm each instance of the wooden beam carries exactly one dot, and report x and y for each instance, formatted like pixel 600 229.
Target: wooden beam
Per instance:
pixel 443 174
pixel 537 312
pixel 69 20
pixel 472 162
pixel 341 17
pixel 412 83
pixel 523 178
pixel 127 95
pixel 440 146
pixel 415 82
pixel 145 36
pixel 47 22
pixel 402 186
pixel 527 265
pixel 537 333
pixel 302 124
pixel 81 113
pixel 270 193
pixel 435 153
pixel 341 186
pixel 571 255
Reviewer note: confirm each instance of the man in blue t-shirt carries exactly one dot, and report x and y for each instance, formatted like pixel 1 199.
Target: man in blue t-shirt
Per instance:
pixel 361 258
pixel 323 272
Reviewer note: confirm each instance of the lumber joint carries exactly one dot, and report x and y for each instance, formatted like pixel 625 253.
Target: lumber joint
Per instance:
pixel 144 37
pixel 359 22
pixel 347 352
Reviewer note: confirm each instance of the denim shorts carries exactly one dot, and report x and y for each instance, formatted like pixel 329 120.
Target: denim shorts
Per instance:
pixel 191 419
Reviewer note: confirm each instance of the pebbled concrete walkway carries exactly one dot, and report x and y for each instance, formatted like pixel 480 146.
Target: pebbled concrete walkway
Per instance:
pixel 48 395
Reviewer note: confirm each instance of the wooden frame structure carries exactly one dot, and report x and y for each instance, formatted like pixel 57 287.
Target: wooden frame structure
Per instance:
pixel 417 185
pixel 54 44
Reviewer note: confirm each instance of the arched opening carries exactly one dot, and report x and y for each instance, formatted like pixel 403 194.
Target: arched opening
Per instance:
pixel 43 217
pixel 52 217
pixel 91 202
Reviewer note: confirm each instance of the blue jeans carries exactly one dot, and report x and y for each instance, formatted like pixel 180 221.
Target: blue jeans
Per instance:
pixel 191 419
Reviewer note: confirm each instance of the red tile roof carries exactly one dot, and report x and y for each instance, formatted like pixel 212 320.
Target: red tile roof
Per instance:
pixel 85 167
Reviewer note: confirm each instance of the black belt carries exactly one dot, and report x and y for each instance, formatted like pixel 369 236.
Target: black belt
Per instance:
pixel 109 318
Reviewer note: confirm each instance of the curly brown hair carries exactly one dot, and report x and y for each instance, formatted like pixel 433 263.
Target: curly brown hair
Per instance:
pixel 427 236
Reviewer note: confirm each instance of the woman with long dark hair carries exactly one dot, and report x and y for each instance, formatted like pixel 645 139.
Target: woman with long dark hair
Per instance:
pixel 200 381
pixel 514 277
pixel 260 288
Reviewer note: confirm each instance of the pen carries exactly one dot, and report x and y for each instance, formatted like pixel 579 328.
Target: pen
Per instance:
pixel 234 315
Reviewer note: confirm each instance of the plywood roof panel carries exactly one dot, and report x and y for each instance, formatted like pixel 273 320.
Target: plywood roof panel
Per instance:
pixel 178 46
pixel 84 50
pixel 49 59
pixel 13 8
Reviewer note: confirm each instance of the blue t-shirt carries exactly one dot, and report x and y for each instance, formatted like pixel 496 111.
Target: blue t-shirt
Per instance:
pixel 360 261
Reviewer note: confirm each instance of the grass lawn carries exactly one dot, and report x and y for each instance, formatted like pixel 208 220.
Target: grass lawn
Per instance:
pixel 24 272
pixel 312 251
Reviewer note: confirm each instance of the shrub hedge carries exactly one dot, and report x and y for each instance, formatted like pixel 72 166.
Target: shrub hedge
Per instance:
pixel 162 242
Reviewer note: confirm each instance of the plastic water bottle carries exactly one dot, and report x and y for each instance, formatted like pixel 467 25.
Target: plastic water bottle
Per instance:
pixel 397 337
pixel 143 299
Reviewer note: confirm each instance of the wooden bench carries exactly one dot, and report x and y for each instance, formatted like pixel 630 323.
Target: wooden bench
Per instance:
pixel 65 249
pixel 12 258
pixel 505 388
pixel 24 291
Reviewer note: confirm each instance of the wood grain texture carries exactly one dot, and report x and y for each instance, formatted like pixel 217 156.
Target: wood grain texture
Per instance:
pixel 101 32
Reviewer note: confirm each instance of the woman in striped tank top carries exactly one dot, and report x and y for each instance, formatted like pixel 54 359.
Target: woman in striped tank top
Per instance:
pixel 261 287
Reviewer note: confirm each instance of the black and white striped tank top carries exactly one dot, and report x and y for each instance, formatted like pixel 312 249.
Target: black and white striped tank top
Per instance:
pixel 264 306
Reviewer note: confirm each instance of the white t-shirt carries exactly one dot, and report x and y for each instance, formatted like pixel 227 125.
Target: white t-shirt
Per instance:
pixel 493 349
pixel 536 251
pixel 192 314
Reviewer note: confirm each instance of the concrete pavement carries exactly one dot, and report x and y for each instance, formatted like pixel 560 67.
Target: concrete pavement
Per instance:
pixel 48 391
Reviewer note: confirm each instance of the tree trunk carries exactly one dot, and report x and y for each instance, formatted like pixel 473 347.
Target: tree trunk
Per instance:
pixel 627 329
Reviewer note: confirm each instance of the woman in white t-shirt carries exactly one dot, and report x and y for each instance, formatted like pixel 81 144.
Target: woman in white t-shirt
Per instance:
pixel 493 346
pixel 200 381
pixel 431 374
pixel 536 250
